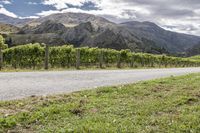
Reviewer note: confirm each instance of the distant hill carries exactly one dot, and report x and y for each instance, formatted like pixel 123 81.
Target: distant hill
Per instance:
pixel 195 50
pixel 174 42
pixel 45 27
pixel 73 19
pixel 88 30
pixel 13 21
pixel 84 34
pixel 7 28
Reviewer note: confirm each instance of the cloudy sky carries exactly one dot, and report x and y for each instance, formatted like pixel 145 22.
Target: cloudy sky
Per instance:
pixel 176 15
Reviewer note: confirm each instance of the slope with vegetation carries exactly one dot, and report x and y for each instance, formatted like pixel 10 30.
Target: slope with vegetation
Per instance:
pixel 7 28
pixel 195 50
pixel 172 41
pixel 13 21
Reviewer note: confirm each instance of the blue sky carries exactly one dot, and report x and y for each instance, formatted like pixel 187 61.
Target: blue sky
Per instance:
pixel 27 8
pixel 176 15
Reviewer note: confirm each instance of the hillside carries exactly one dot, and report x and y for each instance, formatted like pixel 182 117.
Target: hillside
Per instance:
pixel 84 34
pixel 195 50
pixel 73 19
pixel 7 28
pixel 45 27
pixel 93 31
pixel 13 21
pixel 174 42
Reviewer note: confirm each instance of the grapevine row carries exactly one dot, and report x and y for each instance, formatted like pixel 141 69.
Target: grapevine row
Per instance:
pixel 33 56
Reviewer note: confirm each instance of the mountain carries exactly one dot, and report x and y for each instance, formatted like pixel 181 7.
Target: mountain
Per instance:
pixel 195 50
pixel 73 19
pixel 88 30
pixel 84 34
pixel 174 42
pixel 7 28
pixel 13 21
pixel 45 27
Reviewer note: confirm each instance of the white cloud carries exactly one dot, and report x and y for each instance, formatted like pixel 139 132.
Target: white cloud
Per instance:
pixel 46 13
pixel 5 2
pixel 29 17
pixel 183 15
pixel 6 12
pixel 187 26
pixel 106 7
pixel 61 4
pixel 32 3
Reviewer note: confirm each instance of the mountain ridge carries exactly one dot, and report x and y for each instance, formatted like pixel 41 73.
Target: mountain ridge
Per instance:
pixel 8 28
pixel 83 29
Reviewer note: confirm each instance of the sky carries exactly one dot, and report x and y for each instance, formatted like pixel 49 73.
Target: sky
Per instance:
pixel 176 15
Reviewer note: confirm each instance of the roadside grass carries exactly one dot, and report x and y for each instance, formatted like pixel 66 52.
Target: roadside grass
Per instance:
pixel 67 69
pixel 81 68
pixel 170 105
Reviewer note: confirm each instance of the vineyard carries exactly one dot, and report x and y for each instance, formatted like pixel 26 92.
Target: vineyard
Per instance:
pixel 197 57
pixel 36 56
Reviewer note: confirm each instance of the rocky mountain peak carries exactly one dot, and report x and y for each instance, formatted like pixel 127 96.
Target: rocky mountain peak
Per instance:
pixel 83 29
pixel 46 27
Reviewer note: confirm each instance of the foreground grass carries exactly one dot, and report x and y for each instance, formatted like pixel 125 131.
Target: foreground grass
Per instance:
pixel 165 105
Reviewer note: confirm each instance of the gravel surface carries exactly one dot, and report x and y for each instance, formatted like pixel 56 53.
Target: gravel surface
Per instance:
pixel 16 85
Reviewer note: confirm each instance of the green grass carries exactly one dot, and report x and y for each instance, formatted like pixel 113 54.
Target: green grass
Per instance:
pixel 197 57
pixel 8 69
pixel 81 68
pixel 70 69
pixel 169 105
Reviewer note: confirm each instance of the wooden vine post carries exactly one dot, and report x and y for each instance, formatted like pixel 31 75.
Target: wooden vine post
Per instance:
pixel 46 64
pixel 119 60
pixel 101 59
pixel 78 55
pixel 132 61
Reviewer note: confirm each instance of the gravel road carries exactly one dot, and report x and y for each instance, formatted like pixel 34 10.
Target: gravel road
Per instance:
pixel 16 85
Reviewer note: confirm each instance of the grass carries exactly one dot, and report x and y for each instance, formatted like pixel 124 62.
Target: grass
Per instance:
pixel 197 57
pixel 164 105
pixel 8 69
pixel 67 69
